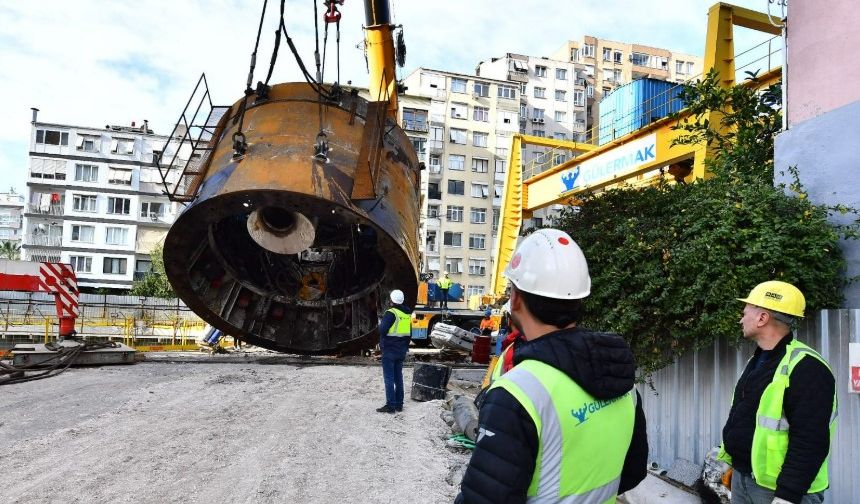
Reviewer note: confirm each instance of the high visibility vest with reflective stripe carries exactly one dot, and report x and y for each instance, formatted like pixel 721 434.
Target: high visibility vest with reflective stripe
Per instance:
pixel 499 368
pixel 444 283
pixel 582 440
pixel 402 325
pixel 770 439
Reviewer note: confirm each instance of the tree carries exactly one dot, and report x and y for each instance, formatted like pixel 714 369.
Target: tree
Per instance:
pixel 668 262
pixel 10 250
pixel 154 283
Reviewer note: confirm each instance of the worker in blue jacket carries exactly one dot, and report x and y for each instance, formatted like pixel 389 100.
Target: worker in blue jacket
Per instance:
pixel 395 330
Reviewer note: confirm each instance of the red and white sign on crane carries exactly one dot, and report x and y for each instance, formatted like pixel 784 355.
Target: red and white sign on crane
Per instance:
pixel 56 278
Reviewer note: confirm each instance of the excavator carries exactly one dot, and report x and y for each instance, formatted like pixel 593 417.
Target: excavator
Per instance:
pixel 301 202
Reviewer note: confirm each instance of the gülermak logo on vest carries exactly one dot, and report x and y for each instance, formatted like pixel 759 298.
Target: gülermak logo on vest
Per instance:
pixel 581 414
pixel 611 164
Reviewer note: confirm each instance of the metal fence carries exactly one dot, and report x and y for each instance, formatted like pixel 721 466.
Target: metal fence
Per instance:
pixel 690 400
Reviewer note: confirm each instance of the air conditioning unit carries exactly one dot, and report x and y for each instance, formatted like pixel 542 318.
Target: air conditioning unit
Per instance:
pixel 536 119
pixel 540 120
pixel 457 116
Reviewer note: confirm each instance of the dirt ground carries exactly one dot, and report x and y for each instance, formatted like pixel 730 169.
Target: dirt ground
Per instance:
pixel 211 433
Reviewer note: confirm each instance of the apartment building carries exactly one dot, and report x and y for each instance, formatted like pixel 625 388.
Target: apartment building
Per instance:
pixel 11 216
pixel 470 122
pixel 95 200
pixel 608 64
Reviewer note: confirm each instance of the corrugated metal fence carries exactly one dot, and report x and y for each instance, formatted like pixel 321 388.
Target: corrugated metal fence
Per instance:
pixel 690 400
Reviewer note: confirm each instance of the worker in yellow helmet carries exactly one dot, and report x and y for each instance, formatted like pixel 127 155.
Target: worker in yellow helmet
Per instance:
pixel 565 423
pixel 783 416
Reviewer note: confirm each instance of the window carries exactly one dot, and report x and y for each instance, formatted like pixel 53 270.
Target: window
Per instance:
pixel 538 113
pixel 478 215
pixel 437 137
pixel 537 222
pixel 151 210
pixel 617 76
pixel 84 203
pixel 452 239
pixel 88 143
pixel 454 264
pixel 559 136
pixel 142 266
pixel 119 176
pixel 456 162
pixel 479 190
pixel 114 266
pixel 477 241
pixel 122 146
pixel 588 50
pixel 433 191
pixel 420 146
pixel 506 117
pixel 458 85
pixel 540 71
pixel 616 56
pixel 502 152
pixel 539 133
pixel 414 119
pixel 459 111
pixel 479 139
pixel 540 92
pixel 496 214
pixel 86 173
pixel 434 164
pixel 608 74
pixel 498 189
pixel 433 211
pixel 589 70
pixel 574 54
pixel 500 165
pixel 480 165
pixel 607 54
pixel 84 234
pixel 481 114
pixel 579 98
pixel 560 95
pixel 52 137
pixel 474 290
pixel 434 81
pixel 482 89
pixel 641 59
pixel 458 136
pixel 116 236
pixel 454 213
pixel 690 68
pixel 477 266
pixel 561 74
pixel 589 91
pixel 509 92
pixel 456 187
pixel 81 264
pixel 119 206
pixel 560 116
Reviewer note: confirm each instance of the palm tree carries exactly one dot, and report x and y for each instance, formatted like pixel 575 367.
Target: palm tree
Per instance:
pixel 10 250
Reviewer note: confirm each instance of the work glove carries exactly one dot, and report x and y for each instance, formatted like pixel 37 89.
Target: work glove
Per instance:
pixel 727 478
pixel 777 500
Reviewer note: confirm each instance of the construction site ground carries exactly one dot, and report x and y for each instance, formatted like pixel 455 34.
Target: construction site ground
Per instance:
pixel 246 429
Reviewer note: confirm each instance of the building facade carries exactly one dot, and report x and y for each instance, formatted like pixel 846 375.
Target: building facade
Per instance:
pixel 11 217
pixel 470 122
pixel 608 64
pixel 95 200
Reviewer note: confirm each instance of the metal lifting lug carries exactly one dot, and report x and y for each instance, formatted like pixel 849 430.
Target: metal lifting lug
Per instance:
pixel 321 148
pixel 261 93
pixel 240 145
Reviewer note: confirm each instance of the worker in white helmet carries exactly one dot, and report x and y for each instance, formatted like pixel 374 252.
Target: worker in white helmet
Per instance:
pixel 565 423
pixel 395 331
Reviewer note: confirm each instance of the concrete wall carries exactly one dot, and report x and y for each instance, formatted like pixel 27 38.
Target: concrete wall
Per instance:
pixel 824 149
pixel 822 72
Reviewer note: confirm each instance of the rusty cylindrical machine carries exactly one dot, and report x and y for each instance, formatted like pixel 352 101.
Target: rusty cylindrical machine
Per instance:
pixel 292 246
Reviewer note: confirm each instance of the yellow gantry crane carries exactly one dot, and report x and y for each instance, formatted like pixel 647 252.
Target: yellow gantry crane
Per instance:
pixel 624 159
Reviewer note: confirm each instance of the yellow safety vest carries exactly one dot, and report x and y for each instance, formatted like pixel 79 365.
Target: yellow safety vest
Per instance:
pixel 770 438
pixel 444 283
pixel 582 440
pixel 499 368
pixel 402 325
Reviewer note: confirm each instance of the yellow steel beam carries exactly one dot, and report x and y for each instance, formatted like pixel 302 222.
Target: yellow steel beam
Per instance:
pixel 511 217
pixel 380 61
pixel 556 144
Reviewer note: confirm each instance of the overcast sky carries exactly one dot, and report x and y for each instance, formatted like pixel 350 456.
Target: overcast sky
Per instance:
pixel 91 63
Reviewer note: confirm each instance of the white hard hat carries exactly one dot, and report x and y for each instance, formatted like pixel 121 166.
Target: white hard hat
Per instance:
pixel 396 296
pixel 549 263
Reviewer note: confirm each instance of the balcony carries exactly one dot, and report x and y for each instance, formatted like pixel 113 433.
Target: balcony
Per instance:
pixel 414 125
pixel 51 209
pixel 43 240
pixel 578 127
pixel 140 275
pixel 517 76
pixel 432 248
pixel 435 146
pixel 434 171
pixel 434 195
pixel 499 176
pixel 433 222
pixel 497 202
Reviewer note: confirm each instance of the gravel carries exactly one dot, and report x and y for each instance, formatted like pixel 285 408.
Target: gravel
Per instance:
pixel 242 433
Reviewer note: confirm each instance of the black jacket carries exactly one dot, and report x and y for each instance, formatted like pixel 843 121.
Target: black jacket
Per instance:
pixel 502 465
pixel 807 404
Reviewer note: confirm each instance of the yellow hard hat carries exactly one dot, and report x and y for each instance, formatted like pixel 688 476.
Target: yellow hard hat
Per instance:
pixel 777 296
